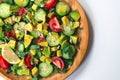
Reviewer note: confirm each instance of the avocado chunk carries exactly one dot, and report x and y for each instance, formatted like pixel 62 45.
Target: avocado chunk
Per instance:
pixel 75 15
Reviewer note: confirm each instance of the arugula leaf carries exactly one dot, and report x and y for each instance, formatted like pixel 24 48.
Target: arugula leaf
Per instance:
pixel 22 54
pixel 9 1
pixel 14 68
pixel 8 27
pixel 35 47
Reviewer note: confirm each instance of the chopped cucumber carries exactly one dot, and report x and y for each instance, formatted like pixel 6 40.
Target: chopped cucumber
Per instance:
pixel 45 69
pixel 19 26
pixel 39 2
pixel 75 15
pixel 67 30
pixel 62 8
pixel 20 47
pixel 52 39
pixel 40 15
pixel 5 10
pixel 21 2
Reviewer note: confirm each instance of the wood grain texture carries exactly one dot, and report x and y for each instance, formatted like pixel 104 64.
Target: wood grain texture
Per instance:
pixel 83 35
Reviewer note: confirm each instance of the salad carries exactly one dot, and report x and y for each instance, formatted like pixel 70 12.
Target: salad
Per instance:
pixel 37 37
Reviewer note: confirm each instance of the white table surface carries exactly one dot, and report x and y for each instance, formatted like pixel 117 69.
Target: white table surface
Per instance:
pixel 103 56
pixel 103 59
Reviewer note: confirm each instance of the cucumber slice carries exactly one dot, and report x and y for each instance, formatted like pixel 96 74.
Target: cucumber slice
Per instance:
pixel 5 10
pixel 19 26
pixel 40 15
pixel 45 69
pixel 39 2
pixel 62 8
pixel 52 38
pixel 21 2
pixel 67 30
pixel 20 46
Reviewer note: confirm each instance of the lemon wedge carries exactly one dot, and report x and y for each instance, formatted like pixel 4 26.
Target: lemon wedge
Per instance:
pixel 9 55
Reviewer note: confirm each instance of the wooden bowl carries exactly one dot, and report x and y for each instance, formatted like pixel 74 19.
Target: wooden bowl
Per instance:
pixel 83 34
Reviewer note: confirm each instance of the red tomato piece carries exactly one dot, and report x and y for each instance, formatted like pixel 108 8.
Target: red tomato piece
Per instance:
pixel 28 61
pixel 10 34
pixel 57 61
pixel 54 25
pixel 50 4
pixel 6 33
pixel 22 11
pixel 3 63
pixel 41 39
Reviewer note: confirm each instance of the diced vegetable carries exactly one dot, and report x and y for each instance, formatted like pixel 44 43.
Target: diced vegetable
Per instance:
pixel 52 39
pixel 39 27
pixel 76 25
pixel 58 62
pixel 40 15
pixel 22 11
pixel 42 58
pixel 65 21
pixel 29 27
pixel 50 14
pixel 21 2
pixel 74 39
pixel 48 60
pixel 46 51
pixel 54 25
pixel 75 15
pixel 42 39
pixel 19 34
pixel 34 71
pixel 23 71
pixel 5 10
pixel 45 69
pixel 67 30
pixel 1 22
pixel 59 53
pixel 54 48
pixel 27 40
pixel 36 61
pixel 21 62
pixel 12 43
pixel 28 59
pixel 62 8
pixel 50 4
pixel 35 33
pixel 34 7
pixel 33 52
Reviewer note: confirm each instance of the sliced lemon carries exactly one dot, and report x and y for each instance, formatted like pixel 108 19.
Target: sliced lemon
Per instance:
pixel 9 55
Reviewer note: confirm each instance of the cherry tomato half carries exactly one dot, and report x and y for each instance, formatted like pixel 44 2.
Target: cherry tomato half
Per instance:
pixel 41 39
pixel 28 61
pixel 10 34
pixel 3 63
pixel 50 4
pixel 54 25
pixel 22 11
pixel 57 61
